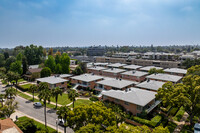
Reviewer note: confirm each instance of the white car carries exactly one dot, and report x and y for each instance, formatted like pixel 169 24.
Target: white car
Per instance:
pixel 37 104
pixel 61 122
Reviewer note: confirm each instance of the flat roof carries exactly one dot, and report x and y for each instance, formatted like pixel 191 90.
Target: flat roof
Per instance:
pixel 165 77
pixel 97 68
pixel 135 73
pixel 87 77
pixel 65 75
pixel 151 84
pixel 134 95
pixel 116 83
pixel 116 65
pixel 147 68
pixel 114 70
pixel 176 70
pixel 52 80
pixel 133 67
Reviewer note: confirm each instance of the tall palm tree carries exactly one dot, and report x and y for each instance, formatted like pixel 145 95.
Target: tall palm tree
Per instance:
pixel 72 96
pixel 10 92
pixel 62 112
pixel 55 92
pixel 32 89
pixel 45 95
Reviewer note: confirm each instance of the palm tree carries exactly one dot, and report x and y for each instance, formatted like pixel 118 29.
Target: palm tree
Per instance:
pixel 55 92
pixel 32 89
pixel 9 108
pixel 72 96
pixel 10 92
pixel 63 112
pixel 45 95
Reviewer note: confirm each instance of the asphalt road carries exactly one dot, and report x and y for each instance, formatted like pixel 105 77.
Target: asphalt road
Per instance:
pixel 26 107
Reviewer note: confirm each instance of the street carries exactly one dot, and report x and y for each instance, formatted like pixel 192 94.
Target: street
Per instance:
pixel 26 107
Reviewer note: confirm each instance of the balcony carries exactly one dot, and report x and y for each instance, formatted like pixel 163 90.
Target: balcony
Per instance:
pixel 153 106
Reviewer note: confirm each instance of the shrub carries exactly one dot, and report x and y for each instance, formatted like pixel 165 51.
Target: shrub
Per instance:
pixel 26 125
pixel 171 126
pixel 173 111
pixel 21 88
pixel 87 94
pixel 179 114
pixel 94 98
pixel 155 121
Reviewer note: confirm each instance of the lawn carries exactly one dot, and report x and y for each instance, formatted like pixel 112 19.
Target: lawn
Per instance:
pixel 38 124
pixel 26 86
pixel 35 100
pixel 20 80
pixel 63 100
pixel 35 93
pixel 81 102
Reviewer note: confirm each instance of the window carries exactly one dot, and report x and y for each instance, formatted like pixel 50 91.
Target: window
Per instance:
pixel 100 86
pixel 116 100
pixel 104 97
pixel 63 83
pixel 126 103
pixel 139 108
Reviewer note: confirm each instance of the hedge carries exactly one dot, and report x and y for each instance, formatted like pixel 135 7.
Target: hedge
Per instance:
pixel 179 114
pixel 21 88
pixel 155 121
pixel 94 98
pixel 173 111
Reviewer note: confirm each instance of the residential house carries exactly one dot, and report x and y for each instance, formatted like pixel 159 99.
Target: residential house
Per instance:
pixel 32 74
pixel 176 71
pixel 112 72
pixel 137 76
pixel 54 81
pixel 151 85
pixel 86 80
pixel 96 70
pixel 134 100
pixel 8 126
pixel 165 77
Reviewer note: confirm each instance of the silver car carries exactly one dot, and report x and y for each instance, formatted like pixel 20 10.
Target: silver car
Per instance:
pixel 37 104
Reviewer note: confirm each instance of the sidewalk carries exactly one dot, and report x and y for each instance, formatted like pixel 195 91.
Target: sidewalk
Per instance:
pixel 20 114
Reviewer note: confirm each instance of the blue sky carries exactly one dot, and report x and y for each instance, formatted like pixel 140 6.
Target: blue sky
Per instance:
pixel 99 22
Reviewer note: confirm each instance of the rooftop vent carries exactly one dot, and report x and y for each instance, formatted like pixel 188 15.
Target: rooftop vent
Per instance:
pixel 120 79
pixel 133 71
pixel 148 80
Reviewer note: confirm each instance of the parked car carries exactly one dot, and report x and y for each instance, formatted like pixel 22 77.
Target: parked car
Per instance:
pixel 37 104
pixel 10 97
pixel 197 128
pixel 61 122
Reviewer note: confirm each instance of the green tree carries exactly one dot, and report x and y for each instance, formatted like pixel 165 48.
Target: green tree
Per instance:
pixel 55 93
pixel 2 60
pixel 184 94
pixel 19 57
pixel 26 125
pixel 83 67
pixel 33 88
pixel 194 70
pixel 9 61
pixel 16 77
pixel 65 62
pixel 57 58
pixel 62 113
pixel 44 95
pixel 72 96
pixel 50 52
pixel 46 72
pixel 9 107
pixel 16 67
pixel 58 69
pixel 77 71
pixel 10 76
pixel 1 99
pixel 50 62
pixel 154 70
pixel 24 64
pixel 2 70
pixel 10 92
pixel 6 55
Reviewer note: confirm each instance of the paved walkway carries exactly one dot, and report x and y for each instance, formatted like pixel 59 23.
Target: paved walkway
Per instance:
pixel 181 123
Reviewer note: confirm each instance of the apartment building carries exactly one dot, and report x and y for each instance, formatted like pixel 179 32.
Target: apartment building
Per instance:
pixel 165 77
pixel 176 71
pixel 65 76
pixel 116 65
pixel 112 72
pixel 150 85
pixel 134 100
pixel 132 67
pixel 54 81
pixel 96 70
pixel 86 80
pixel 133 75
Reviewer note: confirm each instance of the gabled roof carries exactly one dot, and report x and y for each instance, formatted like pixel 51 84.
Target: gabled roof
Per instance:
pixel 87 77
pixel 132 67
pixel 97 68
pixel 52 80
pixel 8 126
pixel 114 70
pixel 116 65
pixel 147 68
pixel 151 84
pixel 165 77
pixel 134 95
pixel 176 70
pixel 135 73
pixel 116 83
